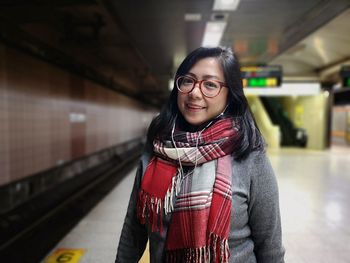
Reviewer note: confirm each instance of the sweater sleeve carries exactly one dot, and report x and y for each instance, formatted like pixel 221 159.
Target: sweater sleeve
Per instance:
pixel 264 213
pixel 133 238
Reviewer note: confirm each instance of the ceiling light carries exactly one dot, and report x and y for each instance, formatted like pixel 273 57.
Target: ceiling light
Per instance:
pixel 213 33
pixel 226 5
pixel 286 89
pixel 193 17
pixel 171 84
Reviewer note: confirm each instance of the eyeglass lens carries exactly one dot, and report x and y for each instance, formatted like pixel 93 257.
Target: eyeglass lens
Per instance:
pixel 209 88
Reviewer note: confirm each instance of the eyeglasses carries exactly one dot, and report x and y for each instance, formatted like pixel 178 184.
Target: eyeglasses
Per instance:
pixel 209 88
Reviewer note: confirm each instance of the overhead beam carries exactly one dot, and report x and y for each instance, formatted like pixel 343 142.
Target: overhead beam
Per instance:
pixel 39 3
pixel 317 17
pixel 338 63
pixel 332 69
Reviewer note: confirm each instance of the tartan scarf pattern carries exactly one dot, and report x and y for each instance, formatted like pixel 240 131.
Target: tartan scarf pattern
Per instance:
pixel 199 200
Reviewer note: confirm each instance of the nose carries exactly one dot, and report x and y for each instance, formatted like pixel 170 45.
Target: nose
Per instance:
pixel 196 91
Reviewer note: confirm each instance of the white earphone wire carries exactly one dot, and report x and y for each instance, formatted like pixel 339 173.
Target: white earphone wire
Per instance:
pixel 197 140
pixel 177 151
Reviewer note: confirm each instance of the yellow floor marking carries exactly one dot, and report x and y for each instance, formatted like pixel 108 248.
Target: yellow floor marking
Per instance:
pixel 65 255
pixel 145 256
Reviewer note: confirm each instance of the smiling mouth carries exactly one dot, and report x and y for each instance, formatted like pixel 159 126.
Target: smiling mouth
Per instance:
pixel 194 107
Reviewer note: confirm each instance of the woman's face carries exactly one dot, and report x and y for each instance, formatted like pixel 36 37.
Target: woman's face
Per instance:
pixel 194 106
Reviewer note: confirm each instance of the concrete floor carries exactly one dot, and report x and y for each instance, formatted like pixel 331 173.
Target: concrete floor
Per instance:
pixel 315 204
pixel 314 199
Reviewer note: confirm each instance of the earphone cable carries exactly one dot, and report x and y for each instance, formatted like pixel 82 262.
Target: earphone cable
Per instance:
pixel 177 151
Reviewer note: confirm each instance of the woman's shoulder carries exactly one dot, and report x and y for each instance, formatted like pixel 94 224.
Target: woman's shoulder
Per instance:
pixel 255 164
pixel 146 155
pixel 254 157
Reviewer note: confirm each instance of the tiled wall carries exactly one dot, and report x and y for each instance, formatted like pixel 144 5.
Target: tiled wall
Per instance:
pixel 49 116
pixel 341 125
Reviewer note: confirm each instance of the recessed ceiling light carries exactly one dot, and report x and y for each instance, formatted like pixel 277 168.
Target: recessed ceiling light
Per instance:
pixel 226 5
pixel 171 84
pixel 213 33
pixel 193 17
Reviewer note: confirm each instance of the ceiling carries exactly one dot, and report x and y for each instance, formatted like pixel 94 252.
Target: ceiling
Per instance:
pixel 135 46
pixel 321 54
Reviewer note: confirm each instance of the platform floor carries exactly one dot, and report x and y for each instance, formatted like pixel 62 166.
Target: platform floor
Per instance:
pixel 315 209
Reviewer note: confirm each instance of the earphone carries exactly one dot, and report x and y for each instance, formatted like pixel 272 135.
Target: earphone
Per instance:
pixel 197 140
pixel 177 181
pixel 177 151
pixel 222 113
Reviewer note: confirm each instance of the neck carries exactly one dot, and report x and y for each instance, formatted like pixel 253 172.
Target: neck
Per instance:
pixel 185 126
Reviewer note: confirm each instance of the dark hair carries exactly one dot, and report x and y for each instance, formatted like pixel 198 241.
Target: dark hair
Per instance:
pixel 250 136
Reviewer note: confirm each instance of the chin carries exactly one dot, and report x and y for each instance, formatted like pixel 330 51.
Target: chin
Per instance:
pixel 195 122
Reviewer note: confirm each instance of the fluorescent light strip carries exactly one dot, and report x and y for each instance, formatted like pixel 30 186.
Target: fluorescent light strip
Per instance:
pixel 171 84
pixel 213 33
pixel 226 5
pixel 287 89
pixel 193 17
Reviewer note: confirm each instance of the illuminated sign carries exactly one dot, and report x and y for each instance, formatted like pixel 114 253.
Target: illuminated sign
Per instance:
pixel 260 82
pixel 346 82
pixel 345 75
pixel 262 76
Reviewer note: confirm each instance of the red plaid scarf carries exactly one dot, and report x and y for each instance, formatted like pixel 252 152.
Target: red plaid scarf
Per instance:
pixel 200 200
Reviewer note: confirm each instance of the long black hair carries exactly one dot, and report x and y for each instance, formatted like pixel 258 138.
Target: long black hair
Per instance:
pixel 238 108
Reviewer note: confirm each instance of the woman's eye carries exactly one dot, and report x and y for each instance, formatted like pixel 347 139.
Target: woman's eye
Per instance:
pixel 210 85
pixel 187 81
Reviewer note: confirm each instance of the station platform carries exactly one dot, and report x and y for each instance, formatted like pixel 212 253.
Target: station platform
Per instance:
pixel 314 200
pixel 95 239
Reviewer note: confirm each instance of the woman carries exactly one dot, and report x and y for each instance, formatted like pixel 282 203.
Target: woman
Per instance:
pixel 205 190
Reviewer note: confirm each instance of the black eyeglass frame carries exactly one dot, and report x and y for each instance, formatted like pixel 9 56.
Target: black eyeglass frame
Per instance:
pixel 222 84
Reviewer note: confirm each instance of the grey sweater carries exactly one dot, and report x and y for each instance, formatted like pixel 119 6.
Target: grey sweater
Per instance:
pixel 255 229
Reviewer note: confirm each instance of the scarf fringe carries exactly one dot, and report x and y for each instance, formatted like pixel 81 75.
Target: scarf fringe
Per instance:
pixel 149 207
pixel 172 192
pixel 216 251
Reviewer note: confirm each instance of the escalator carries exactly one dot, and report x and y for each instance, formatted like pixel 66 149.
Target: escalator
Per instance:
pixel 290 135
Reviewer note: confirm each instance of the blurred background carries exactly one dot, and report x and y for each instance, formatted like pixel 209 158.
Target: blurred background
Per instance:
pixel 80 81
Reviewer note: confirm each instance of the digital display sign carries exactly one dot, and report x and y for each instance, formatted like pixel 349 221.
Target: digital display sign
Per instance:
pixel 260 82
pixel 261 76
pixel 347 82
pixel 345 75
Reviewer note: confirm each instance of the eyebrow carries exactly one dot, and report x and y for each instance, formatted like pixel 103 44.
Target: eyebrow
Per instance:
pixel 205 76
